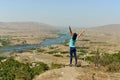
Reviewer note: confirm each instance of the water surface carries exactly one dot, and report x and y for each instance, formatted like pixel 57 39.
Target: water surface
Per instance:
pixel 47 42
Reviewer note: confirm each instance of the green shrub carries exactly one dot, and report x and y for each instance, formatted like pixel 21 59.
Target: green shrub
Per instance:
pixel 52 52
pixel 51 47
pixel 83 51
pixel 81 54
pixel 5 42
pixel 64 52
pixel 67 55
pixel 90 58
pixel 1 58
pixel 10 68
pixel 93 52
pixel 57 55
pixel 40 50
pixel 82 47
pixel 14 70
pixel 107 59
pixel 114 67
pixel 39 68
pixel 111 61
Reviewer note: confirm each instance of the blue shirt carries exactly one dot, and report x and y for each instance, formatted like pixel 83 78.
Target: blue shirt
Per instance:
pixel 72 42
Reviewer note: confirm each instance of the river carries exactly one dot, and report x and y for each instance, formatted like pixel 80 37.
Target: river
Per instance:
pixel 47 42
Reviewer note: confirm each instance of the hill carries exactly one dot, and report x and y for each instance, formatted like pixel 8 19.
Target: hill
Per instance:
pixel 112 28
pixel 57 58
pixel 105 37
pixel 26 26
pixel 30 32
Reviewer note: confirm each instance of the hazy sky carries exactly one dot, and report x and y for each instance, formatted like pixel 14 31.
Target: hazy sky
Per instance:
pixel 62 12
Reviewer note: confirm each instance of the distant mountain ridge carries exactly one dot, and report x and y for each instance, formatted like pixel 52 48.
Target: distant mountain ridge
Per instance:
pixel 112 28
pixel 26 26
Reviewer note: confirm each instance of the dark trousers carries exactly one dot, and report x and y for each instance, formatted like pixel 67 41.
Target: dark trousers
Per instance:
pixel 73 51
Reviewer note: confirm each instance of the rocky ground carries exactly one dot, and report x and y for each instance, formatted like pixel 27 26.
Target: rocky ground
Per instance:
pixel 86 71
pixel 77 73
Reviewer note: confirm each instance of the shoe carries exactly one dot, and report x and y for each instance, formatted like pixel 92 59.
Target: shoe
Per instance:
pixel 76 65
pixel 70 65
